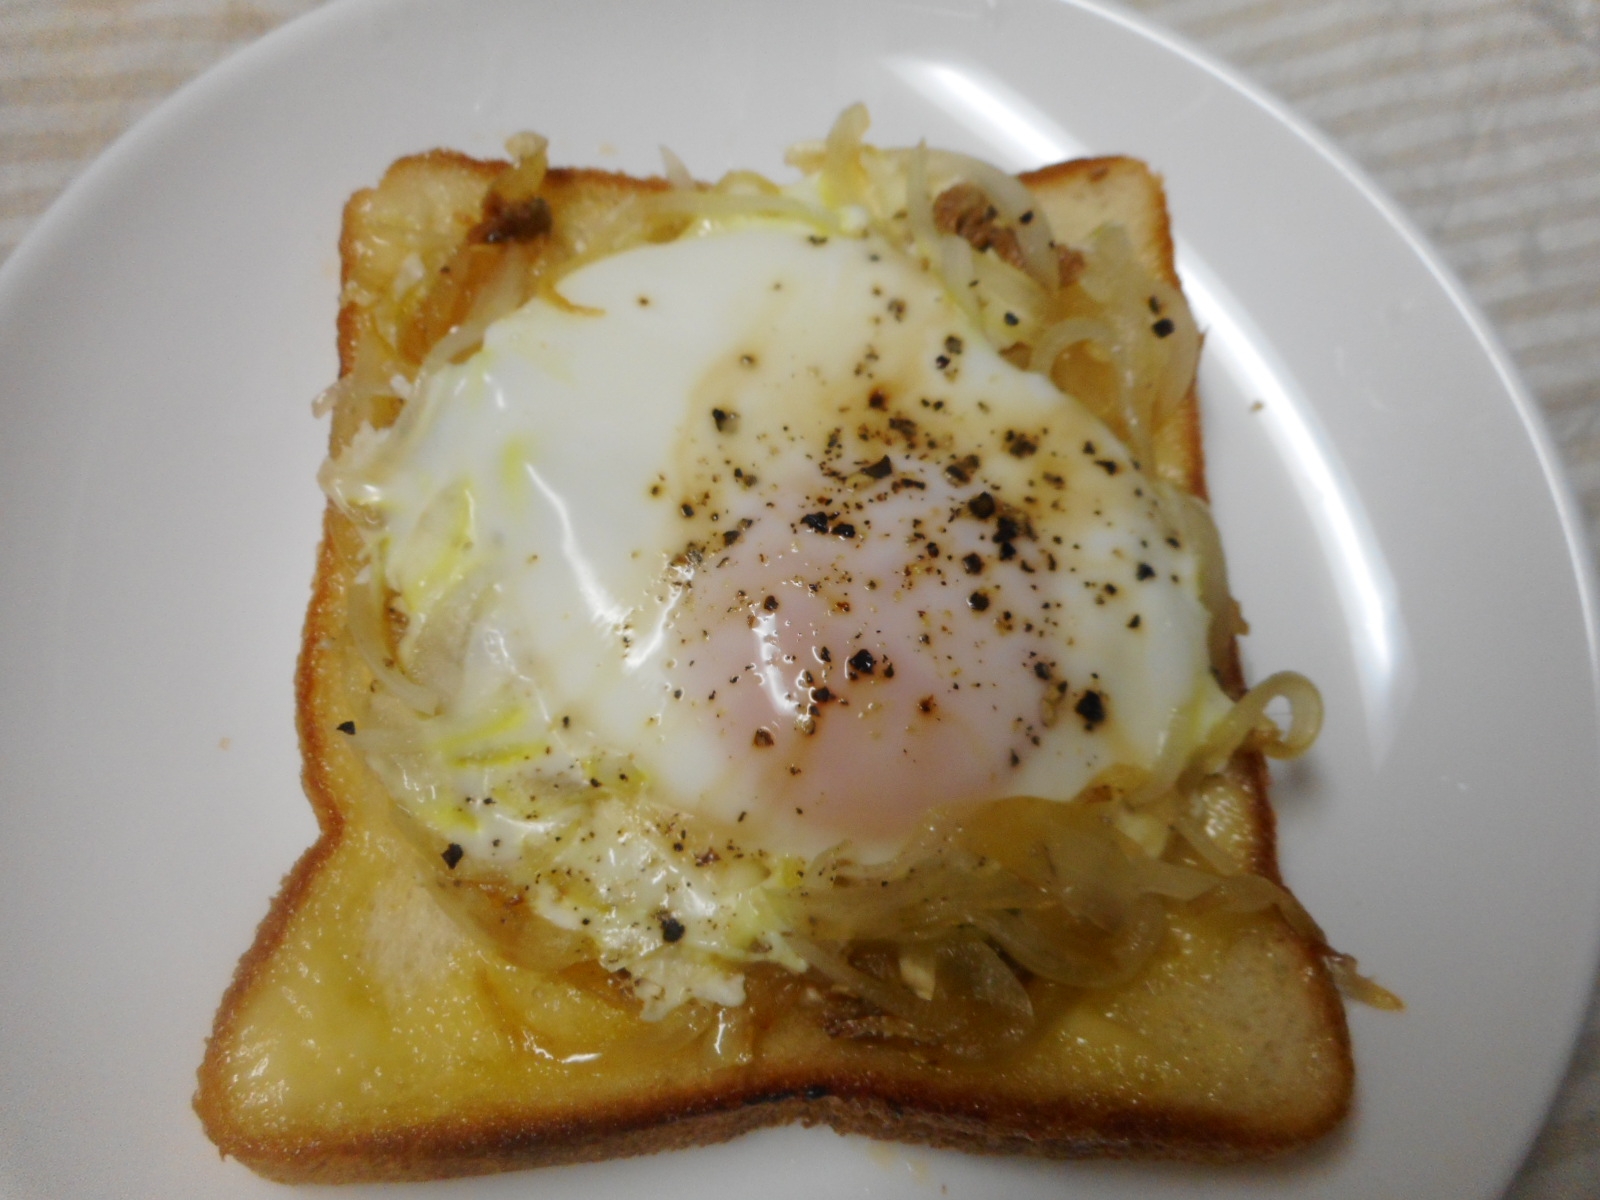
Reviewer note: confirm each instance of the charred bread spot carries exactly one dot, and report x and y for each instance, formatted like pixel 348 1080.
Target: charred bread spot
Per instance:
pixel 966 211
pixel 512 220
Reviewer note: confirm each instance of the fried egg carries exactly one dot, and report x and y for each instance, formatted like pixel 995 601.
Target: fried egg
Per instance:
pixel 746 546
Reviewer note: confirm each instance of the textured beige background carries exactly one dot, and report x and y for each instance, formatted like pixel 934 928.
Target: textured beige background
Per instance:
pixel 1481 117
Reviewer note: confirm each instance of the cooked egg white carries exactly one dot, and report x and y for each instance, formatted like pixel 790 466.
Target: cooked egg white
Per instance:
pixel 753 547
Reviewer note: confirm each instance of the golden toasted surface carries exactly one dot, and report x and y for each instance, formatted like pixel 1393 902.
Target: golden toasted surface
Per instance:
pixel 370 1033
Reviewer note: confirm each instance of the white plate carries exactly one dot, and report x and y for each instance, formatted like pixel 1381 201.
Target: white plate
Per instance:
pixel 1396 527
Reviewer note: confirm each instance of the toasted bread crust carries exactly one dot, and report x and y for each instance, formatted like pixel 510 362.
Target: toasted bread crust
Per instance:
pixel 446 1150
pixel 879 1091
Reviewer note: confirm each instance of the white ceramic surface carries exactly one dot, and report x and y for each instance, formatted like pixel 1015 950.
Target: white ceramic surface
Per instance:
pixel 1395 524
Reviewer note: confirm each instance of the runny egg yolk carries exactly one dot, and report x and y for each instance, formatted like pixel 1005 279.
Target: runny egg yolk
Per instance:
pixel 762 522
pixel 892 633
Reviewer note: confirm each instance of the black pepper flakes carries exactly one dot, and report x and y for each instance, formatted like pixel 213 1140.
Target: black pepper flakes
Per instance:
pixel 844 529
pixel 1163 328
pixel 672 929
pixel 863 662
pixel 961 470
pixel 881 469
pixel 981 506
pixel 1092 708
pixel 770 604
pixel 973 563
pixel 1145 571
pixel 725 421
pixel 817 522
pixel 346 727
pixel 452 854
pixel 978 601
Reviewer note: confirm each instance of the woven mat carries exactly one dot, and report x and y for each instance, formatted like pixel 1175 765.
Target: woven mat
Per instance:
pixel 1481 117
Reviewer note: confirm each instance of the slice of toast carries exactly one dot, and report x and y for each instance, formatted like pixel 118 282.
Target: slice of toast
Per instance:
pixel 369 1035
